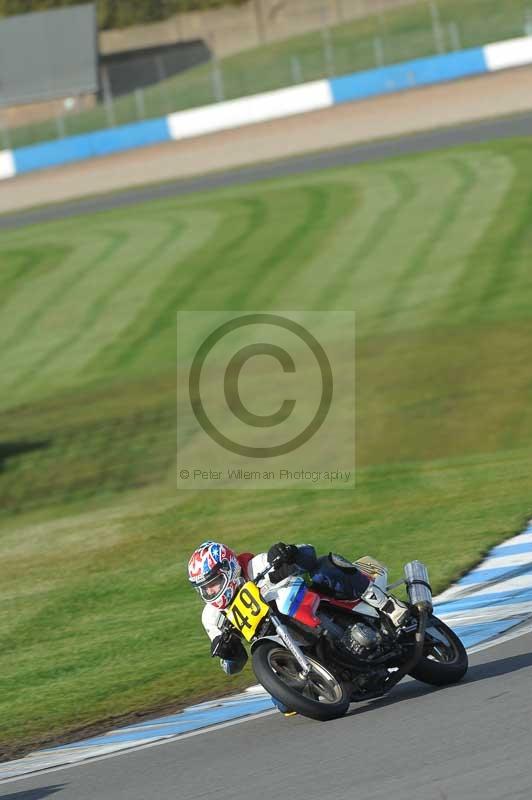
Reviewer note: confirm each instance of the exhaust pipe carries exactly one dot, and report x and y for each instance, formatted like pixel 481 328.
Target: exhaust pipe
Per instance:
pixel 420 596
pixel 395 677
pixel 418 586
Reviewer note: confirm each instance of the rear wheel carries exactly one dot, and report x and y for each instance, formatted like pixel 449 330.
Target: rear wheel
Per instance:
pixel 445 659
pixel 318 695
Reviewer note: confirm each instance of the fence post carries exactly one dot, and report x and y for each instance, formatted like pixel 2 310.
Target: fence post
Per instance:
pixel 139 104
pixel 437 30
pixel 328 50
pixel 259 21
pixel 339 10
pixel 162 76
pixel 379 51
pixel 159 65
pixel 59 121
pixel 297 72
pixel 454 36
pixel 108 98
pixel 217 79
pixel 217 82
pixel 5 131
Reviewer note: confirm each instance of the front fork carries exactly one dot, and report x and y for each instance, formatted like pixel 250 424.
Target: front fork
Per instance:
pixel 283 634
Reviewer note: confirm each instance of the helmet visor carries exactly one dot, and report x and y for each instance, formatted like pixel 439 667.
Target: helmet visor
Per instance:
pixel 213 588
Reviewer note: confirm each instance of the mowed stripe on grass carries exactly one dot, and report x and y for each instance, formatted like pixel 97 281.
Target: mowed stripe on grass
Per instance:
pixel 433 254
pixel 93 305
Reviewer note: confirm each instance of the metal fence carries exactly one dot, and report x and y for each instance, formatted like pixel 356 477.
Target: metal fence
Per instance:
pixel 331 51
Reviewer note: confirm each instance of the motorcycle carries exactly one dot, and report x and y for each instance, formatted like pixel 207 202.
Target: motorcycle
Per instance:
pixel 316 654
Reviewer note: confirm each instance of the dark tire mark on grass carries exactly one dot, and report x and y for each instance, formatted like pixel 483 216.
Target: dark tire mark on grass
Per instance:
pixel 406 192
pixel 102 300
pixel 477 287
pixel 337 204
pixel 27 324
pixel 507 261
pixel 209 261
pixel 24 263
pixel 449 214
pixel 274 260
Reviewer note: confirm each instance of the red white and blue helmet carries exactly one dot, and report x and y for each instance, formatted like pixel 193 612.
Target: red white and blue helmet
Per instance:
pixel 213 570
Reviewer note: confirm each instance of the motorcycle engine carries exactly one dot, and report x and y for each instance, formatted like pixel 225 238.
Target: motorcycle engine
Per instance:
pixel 362 640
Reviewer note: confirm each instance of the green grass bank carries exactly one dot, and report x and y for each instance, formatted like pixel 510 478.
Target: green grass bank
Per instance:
pixel 434 254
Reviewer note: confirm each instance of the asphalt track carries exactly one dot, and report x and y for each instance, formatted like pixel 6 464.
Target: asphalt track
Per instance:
pixel 470 741
pixel 483 131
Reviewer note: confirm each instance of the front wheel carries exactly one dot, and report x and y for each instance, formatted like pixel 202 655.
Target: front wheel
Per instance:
pixel 444 660
pixel 319 695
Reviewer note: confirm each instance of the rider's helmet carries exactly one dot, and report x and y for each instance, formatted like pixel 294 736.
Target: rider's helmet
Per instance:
pixel 213 570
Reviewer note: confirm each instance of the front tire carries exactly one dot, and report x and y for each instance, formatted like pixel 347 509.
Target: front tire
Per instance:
pixel 319 696
pixel 445 659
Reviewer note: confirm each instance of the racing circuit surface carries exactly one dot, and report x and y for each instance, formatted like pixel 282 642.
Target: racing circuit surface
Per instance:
pixel 462 742
pixel 469 741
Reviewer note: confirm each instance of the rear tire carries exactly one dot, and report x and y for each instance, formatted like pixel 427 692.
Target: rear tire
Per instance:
pixel 446 662
pixel 278 671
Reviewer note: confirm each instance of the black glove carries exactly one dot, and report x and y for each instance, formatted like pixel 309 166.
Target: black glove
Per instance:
pixel 226 647
pixel 282 557
pixel 282 553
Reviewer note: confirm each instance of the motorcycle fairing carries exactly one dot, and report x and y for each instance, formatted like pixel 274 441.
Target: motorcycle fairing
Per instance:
pixel 294 599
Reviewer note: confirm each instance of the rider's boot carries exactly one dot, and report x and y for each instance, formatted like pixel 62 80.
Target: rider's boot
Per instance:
pixel 396 610
pixel 285 711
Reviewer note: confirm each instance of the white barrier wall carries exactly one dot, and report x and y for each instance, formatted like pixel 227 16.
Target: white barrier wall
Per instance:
pixel 512 53
pixel 248 110
pixel 7 164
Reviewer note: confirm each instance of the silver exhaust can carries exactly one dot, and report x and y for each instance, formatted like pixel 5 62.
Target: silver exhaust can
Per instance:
pixel 417 582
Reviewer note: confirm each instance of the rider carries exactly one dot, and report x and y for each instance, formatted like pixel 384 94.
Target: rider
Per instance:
pixel 217 573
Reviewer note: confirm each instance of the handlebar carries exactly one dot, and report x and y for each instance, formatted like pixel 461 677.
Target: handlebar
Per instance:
pixel 269 567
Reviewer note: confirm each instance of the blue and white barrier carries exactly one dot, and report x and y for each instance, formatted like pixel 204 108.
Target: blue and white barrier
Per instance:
pixel 89 145
pixel 269 105
pixel 410 74
pixel 249 110
pixel 511 53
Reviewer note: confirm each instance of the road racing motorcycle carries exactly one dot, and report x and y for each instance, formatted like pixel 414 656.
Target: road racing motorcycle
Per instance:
pixel 317 654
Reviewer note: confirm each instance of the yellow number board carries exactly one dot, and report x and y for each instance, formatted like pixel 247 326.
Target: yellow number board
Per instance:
pixel 247 610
